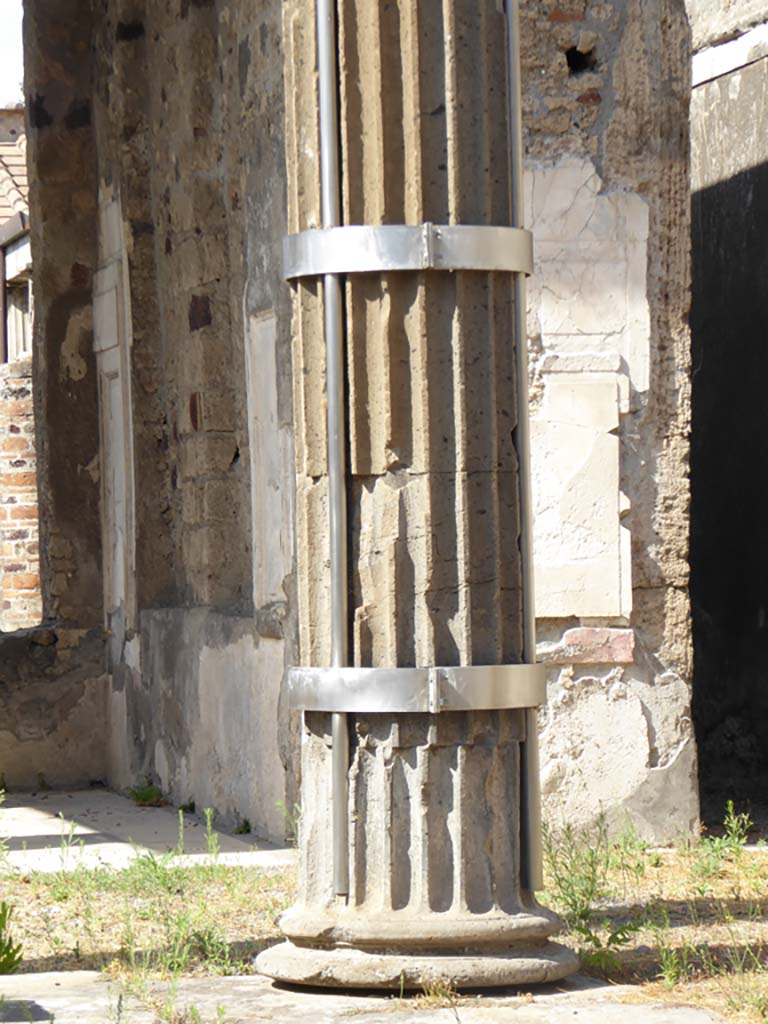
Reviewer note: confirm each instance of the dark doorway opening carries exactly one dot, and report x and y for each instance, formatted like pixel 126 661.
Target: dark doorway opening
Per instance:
pixel 729 489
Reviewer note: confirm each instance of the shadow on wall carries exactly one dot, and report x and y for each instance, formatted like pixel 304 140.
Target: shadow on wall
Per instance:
pixel 729 488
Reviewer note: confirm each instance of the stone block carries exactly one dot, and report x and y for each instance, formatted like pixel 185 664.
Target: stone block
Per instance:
pixel 581 564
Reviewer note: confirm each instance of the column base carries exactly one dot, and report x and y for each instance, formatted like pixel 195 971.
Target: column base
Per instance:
pixel 355 968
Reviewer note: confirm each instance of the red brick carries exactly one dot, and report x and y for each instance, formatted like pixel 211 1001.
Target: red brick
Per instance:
pixel 20 407
pixel 23 512
pixel 17 443
pixel 16 480
pixel 592 645
pixel 21 581
pixel 559 15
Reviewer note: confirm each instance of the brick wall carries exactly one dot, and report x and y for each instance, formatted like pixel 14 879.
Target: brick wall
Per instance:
pixel 19 552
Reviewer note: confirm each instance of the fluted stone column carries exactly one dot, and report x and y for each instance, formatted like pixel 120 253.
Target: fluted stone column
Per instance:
pixel 433 510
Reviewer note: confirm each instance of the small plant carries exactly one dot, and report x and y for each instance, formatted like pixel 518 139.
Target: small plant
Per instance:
pixel 675 965
pixel 712 851
pixel 209 945
pixel 180 837
pixel 10 952
pixel 602 954
pixel 244 828
pixel 292 816
pixel 147 795
pixel 628 855
pixel 3 839
pixel 578 861
pixel 736 827
pixel 153 873
pixel 578 864
pixel 437 993
pixel 211 836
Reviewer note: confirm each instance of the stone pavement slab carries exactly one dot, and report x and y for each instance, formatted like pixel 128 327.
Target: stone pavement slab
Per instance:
pixel 62 830
pixel 86 997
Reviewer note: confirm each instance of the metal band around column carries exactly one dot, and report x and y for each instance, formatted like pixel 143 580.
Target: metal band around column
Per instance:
pixel 395 690
pixel 365 249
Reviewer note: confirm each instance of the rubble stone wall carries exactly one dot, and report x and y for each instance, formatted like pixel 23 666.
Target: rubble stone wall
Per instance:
pixel 188 110
pixel 606 104
pixel 52 679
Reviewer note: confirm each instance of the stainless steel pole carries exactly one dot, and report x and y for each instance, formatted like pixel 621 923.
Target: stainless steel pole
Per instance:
pixel 336 422
pixel 531 795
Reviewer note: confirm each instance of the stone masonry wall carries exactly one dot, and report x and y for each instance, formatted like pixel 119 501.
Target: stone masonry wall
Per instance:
pixel 52 680
pixel 606 91
pixel 188 114
pixel 20 599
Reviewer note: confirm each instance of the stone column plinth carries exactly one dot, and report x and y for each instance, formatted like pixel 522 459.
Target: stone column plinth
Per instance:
pixel 434 861
pixel 433 495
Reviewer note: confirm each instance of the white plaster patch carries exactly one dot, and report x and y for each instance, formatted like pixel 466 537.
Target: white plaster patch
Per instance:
pixel 595 743
pixel 580 558
pixel 233 763
pixel 588 292
pixel 73 364
pixel 132 653
pixel 588 307
pixel 119 744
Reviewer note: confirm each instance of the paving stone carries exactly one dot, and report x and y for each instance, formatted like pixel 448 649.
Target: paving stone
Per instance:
pixel 86 997
pixel 64 830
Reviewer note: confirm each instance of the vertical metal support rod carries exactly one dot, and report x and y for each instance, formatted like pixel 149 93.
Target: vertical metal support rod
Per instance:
pixel 530 789
pixel 336 422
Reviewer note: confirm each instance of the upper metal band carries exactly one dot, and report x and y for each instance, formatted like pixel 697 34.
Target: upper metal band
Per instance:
pixel 362 249
pixel 476 687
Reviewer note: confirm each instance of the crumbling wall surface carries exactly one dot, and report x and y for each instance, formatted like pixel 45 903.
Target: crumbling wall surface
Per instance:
pixel 52 682
pixel 606 91
pixel 714 21
pixel 52 707
pixel 190 154
pixel 63 234
pixel 19 547
pixel 205 711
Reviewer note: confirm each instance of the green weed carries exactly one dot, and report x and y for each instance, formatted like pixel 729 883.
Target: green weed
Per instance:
pixel 292 818
pixel 146 795
pixel 736 826
pixel 578 865
pixel 10 952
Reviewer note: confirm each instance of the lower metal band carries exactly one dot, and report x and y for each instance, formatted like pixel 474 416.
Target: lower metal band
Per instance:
pixel 461 688
pixel 365 249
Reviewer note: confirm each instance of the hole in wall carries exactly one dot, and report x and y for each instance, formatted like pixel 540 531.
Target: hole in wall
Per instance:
pixel 580 61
